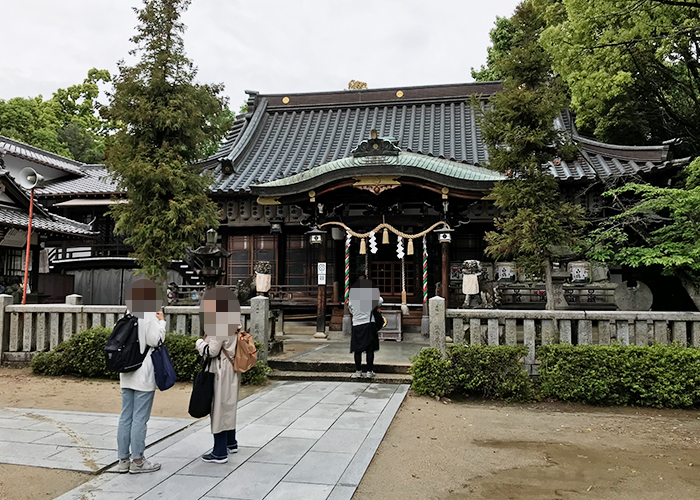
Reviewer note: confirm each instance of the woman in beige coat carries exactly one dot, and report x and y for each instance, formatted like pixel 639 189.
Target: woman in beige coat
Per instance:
pixel 221 321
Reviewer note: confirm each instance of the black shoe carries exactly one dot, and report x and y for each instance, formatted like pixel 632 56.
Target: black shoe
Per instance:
pixel 232 449
pixel 214 459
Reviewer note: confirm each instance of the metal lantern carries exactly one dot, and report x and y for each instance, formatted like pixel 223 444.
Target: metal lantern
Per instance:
pixel 276 226
pixel 315 236
pixel 213 260
pixel 444 235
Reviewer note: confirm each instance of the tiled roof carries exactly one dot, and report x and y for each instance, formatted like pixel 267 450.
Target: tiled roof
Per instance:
pixel 284 135
pixel 40 156
pixel 17 217
pixel 96 180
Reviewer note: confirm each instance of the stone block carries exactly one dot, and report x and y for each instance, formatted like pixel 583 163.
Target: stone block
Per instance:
pixel 28 332
pixel 565 331
pixel 529 333
pixel 511 332
pixel 680 333
pixel 661 332
pixel 585 332
pixel 493 331
pixel 548 332
pixel 438 331
pixel 458 330
pixel 74 300
pixel 623 332
pixel 475 337
pixel 641 332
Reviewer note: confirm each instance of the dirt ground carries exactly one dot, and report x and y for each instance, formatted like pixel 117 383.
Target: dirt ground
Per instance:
pixel 475 450
pixel 444 449
pixel 19 388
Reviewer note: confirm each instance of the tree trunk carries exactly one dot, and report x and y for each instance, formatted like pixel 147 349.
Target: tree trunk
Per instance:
pixel 692 290
pixel 549 284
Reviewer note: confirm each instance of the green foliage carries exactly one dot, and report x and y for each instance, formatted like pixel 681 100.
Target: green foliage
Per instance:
pixel 431 374
pixel 519 133
pixel 82 355
pixel 632 69
pixel 67 124
pixel 662 229
pixel 660 375
pixel 491 371
pixel 501 42
pixel 487 371
pixel 166 122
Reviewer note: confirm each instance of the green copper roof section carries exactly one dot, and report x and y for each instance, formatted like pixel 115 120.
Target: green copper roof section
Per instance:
pixel 440 166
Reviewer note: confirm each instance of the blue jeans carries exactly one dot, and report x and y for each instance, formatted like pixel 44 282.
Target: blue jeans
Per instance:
pixel 136 410
pixel 221 441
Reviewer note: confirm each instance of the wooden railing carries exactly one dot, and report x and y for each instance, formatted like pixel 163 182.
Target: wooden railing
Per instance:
pixel 533 328
pixel 31 328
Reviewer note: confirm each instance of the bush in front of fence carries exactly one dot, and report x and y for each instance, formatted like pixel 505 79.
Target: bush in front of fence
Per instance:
pixel 83 355
pixel 473 370
pixel 660 375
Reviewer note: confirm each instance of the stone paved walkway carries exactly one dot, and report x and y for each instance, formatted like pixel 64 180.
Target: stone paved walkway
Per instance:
pixel 297 440
pixel 78 441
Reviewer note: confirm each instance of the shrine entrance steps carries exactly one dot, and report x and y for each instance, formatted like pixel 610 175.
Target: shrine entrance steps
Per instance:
pixel 333 361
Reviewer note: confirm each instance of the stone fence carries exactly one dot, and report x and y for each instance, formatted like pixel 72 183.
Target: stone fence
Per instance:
pixel 532 328
pixel 28 329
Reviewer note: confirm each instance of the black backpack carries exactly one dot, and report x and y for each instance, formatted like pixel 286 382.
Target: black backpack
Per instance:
pixel 379 319
pixel 123 351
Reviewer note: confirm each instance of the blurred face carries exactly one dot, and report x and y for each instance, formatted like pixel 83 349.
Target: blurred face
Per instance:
pixel 144 296
pixel 221 313
pixel 365 298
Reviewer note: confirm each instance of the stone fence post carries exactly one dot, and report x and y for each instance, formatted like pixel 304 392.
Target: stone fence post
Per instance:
pixel 5 300
pixel 260 323
pixel 436 308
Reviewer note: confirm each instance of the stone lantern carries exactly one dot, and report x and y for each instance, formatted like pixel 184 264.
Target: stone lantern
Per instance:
pixel 213 260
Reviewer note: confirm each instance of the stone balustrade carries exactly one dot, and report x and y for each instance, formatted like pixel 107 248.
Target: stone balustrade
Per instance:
pixel 31 328
pixel 533 328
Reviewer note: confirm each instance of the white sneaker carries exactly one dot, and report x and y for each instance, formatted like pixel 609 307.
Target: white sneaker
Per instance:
pixel 371 374
pixel 357 374
pixel 144 466
pixel 123 465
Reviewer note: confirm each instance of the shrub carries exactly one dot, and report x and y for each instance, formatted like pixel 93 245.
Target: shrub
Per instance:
pixel 83 355
pixel 658 375
pixel 431 374
pixel 491 371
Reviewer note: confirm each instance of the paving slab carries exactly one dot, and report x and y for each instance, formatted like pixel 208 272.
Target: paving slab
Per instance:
pixel 306 440
pixel 77 441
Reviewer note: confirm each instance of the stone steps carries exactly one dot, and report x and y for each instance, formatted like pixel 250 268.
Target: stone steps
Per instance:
pixel 341 367
pixel 383 378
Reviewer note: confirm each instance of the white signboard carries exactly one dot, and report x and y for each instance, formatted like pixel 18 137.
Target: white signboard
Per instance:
pixel 321 273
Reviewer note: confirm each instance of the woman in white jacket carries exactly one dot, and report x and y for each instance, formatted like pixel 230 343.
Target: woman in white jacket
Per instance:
pixel 221 321
pixel 143 299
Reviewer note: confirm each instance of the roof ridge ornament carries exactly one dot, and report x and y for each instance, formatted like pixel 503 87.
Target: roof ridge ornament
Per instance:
pixel 377 146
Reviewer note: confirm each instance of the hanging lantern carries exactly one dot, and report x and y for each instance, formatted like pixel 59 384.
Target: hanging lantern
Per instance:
pixel 385 237
pixel 409 250
pixel 363 247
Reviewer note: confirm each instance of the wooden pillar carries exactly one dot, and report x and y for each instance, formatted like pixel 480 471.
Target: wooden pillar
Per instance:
pixel 281 258
pixel 321 298
pixel 445 287
pixel 34 276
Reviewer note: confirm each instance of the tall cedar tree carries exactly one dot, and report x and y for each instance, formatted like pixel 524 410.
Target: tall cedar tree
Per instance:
pixel 518 129
pixel 166 121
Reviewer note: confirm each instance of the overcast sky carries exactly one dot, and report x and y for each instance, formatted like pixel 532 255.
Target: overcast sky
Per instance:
pixel 273 46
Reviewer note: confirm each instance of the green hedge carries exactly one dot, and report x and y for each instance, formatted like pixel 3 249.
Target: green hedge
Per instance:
pixel 659 375
pixel 83 356
pixel 488 371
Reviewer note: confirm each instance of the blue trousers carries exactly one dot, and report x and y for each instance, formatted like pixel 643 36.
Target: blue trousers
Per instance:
pixel 136 410
pixel 221 441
